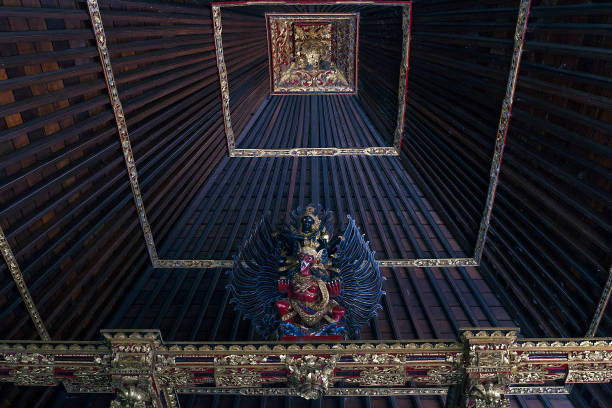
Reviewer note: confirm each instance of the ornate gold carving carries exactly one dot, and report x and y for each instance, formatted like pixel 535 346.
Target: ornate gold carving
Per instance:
pixel 173 376
pixel 493 362
pixel 194 263
pixel 241 359
pixel 380 375
pixel 312 52
pixel 384 263
pixel 529 374
pixel 383 358
pixel 32 375
pixel 442 375
pixel 589 373
pixel 596 356
pixel 237 377
pixel 310 376
pixel 132 396
pixel 91 378
pixel 225 96
pixel 488 366
pixel 590 365
pixel 487 395
pixel 29 358
pixel 13 266
pixel 170 397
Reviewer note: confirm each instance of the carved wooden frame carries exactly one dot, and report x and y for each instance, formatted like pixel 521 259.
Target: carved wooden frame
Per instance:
pixel 519 38
pixel 394 150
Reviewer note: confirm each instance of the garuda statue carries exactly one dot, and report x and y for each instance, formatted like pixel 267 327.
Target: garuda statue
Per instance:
pixel 300 281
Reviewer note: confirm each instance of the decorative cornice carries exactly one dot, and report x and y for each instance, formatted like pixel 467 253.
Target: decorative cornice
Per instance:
pixel 491 362
pixel 22 287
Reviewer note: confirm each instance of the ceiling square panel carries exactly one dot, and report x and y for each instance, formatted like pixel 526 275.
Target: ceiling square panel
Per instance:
pixel 313 53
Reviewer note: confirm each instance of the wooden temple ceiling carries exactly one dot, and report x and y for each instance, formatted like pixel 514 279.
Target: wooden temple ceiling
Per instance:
pixel 68 213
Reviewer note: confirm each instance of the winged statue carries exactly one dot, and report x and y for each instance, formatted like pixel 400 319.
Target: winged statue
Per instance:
pixel 300 281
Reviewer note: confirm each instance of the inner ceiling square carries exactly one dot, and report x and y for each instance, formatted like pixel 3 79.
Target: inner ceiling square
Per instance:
pixel 313 53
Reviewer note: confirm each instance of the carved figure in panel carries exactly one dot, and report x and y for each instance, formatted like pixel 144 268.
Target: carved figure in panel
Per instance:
pixel 312 52
pixel 131 396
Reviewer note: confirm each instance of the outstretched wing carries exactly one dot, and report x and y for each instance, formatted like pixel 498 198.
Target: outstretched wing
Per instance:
pixel 361 280
pixel 253 279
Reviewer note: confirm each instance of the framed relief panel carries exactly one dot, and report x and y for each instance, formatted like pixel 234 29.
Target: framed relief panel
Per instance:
pixel 313 53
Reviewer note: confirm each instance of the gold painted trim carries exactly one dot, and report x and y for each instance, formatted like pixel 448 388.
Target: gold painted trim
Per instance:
pixel 193 263
pixel 383 263
pixel 394 150
pixel 332 392
pixel 428 263
pixel 22 287
pixel 126 146
pixel 502 129
pixel 536 390
pixel 316 151
pixel 403 79
pixel 601 306
pixel 225 101
pixel 139 360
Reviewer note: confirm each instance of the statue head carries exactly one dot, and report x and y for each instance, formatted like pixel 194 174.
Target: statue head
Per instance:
pixel 308 256
pixel 309 222
pixel 306 262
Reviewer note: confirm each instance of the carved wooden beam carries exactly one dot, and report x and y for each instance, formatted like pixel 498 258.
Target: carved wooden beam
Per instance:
pixel 483 367
pixel 601 306
pixel 22 287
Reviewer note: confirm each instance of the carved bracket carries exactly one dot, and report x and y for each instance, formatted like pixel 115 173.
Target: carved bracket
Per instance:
pixel 487 367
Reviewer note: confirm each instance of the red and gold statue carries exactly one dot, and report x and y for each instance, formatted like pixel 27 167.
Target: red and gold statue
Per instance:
pixel 298 283
pixel 309 300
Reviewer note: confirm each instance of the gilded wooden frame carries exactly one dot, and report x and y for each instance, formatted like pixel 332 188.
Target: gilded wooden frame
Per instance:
pixel 394 150
pixel 519 38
